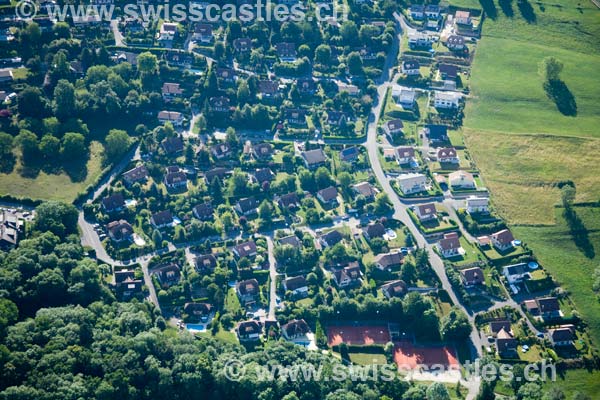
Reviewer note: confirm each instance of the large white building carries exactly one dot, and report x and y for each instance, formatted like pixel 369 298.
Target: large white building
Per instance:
pixel 412 183
pixel 478 205
pixel 446 100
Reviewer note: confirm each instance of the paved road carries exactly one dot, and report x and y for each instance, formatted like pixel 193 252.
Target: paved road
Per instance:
pixel 114 24
pixel 273 277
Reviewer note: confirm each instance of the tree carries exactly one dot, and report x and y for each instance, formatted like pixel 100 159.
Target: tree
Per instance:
pixel 238 183
pixel 147 63
pixel 455 325
pixel 31 103
pixel 554 394
pixel 6 143
pixel 530 391
pixel 9 313
pixel 349 32
pixel 265 211
pixel 408 273
pixel 49 147
pixel 243 92
pixel 323 54
pixel 437 391
pixel 116 144
pixel 383 205
pixel 345 180
pixel 322 178
pixel 550 69
pixel 28 142
pixel 157 238
pixel 64 99
pixel 73 146
pixel 354 62
pixel 56 217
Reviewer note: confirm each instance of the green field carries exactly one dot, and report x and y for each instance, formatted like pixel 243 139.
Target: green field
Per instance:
pixel 46 186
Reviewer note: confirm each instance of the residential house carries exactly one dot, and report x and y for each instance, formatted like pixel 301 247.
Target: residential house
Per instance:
pixel 562 336
pixel 172 145
pixel 175 178
pixel 219 104
pixel 286 51
pixel 404 97
pixel 328 196
pixel 412 183
pixel 426 212
pixel 472 276
pixel 306 86
pixel 291 240
pixel 137 174
pixel 262 150
pixel 113 203
pixel 477 205
pixel 197 312
pixel 396 288
pixel 417 11
pixel 295 329
pixel 205 262
pixel 446 100
pixel 419 39
pixel 226 75
pixel 120 231
pixel 161 219
pixel 393 127
pixel 263 175
pixel 314 158
pixel 405 155
pixel 249 330
pixel 331 238
pixel 447 155
pixel 506 344
pixel 203 33
pixel 179 59
pixel 498 325
pixel 462 18
pixel 297 285
pixel 167 275
pixel 247 206
pixel 449 246
pixel 461 180
pixel 174 117
pixel 349 154
pixel 289 201
pixel 247 291
pixel 411 68
pixel 388 261
pixel 352 90
pixel 167 32
pixel 548 307
pixel 126 286
pixel 295 116
pixel 336 118
pixel 247 249
pixel 432 11
pixel 502 240
pixel 6 76
pixel 365 189
pixel 347 276
pixel 126 56
pixel 268 89
pixel 10 228
pixel 374 230
pixel 219 173
pixel 448 71
pixel 456 43
pixel 436 133
pixel 515 273
pixel 221 150
pixel 242 45
pixel 366 54
pixel 171 91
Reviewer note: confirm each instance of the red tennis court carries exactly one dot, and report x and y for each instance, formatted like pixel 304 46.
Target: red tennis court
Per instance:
pixel 406 355
pixel 357 335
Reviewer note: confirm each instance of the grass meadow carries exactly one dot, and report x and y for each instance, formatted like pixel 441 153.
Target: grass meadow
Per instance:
pixel 49 186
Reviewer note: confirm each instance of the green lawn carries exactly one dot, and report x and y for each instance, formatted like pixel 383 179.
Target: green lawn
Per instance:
pixel 558 254
pixel 232 303
pixel 46 186
pixel 368 358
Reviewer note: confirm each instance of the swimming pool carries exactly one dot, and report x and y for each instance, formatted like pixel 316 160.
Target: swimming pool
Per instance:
pixel 195 327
